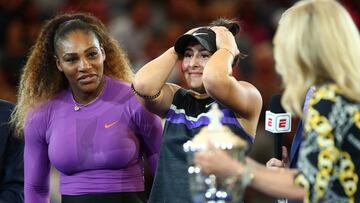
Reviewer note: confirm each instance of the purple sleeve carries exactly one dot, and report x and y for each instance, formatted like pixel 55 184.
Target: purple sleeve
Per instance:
pixel 307 97
pixel 149 128
pixel 36 160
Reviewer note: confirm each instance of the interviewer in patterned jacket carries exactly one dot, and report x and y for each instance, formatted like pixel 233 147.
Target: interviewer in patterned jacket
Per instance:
pixel 316 44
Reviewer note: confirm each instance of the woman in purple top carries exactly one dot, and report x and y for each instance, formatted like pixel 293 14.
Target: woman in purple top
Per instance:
pixel 78 113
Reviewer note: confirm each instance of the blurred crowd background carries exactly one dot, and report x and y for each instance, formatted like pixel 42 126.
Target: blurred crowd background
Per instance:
pixel 146 28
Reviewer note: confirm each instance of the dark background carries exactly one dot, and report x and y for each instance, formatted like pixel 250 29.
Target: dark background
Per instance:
pixel 145 29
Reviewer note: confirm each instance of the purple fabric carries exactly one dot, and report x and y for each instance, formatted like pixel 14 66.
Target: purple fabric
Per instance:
pixel 180 117
pixel 295 145
pixel 95 149
pixel 307 98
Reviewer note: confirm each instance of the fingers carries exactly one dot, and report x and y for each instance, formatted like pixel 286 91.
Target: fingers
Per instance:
pixel 222 32
pixel 284 152
pixel 274 163
pixel 225 39
pixel 216 162
pixel 217 29
pixel 203 161
pixel 285 156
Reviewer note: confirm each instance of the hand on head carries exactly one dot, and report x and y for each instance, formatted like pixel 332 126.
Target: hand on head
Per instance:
pixel 225 39
pixel 274 163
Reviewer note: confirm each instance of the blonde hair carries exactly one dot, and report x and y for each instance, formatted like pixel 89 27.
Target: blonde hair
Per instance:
pixel 41 81
pixel 317 42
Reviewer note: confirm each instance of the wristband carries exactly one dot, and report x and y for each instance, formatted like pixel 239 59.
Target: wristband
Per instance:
pixel 146 97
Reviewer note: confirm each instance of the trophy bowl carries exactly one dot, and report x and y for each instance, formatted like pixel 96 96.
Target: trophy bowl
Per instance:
pixel 212 189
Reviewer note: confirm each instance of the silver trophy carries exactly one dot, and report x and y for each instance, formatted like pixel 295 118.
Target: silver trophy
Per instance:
pixel 212 189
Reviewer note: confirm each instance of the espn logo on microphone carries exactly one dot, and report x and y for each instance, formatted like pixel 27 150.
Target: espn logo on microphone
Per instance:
pixel 277 122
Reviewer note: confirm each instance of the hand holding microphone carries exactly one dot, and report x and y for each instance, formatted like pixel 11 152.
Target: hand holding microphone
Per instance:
pixel 283 163
pixel 278 122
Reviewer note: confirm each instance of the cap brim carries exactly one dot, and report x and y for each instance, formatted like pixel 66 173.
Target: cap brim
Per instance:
pixel 183 41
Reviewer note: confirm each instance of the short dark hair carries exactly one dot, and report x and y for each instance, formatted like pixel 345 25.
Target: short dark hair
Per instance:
pixel 233 26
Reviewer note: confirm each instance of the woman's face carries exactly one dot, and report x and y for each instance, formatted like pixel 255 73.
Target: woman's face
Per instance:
pixel 193 63
pixel 81 58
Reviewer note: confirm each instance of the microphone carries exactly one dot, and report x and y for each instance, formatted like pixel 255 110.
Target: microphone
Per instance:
pixel 278 122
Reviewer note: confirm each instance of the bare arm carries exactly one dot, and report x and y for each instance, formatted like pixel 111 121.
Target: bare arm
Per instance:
pixel 274 182
pixel 151 79
pixel 240 96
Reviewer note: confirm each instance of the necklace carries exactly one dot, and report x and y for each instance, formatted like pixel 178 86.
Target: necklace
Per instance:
pixel 78 106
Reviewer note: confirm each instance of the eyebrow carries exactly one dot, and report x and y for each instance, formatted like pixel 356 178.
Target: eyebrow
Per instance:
pixel 86 50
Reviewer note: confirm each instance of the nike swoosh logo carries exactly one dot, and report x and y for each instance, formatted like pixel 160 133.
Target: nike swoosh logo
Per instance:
pixel 110 124
pixel 208 105
pixel 196 34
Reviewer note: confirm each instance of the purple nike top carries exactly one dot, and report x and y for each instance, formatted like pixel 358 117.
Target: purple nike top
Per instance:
pixel 96 149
